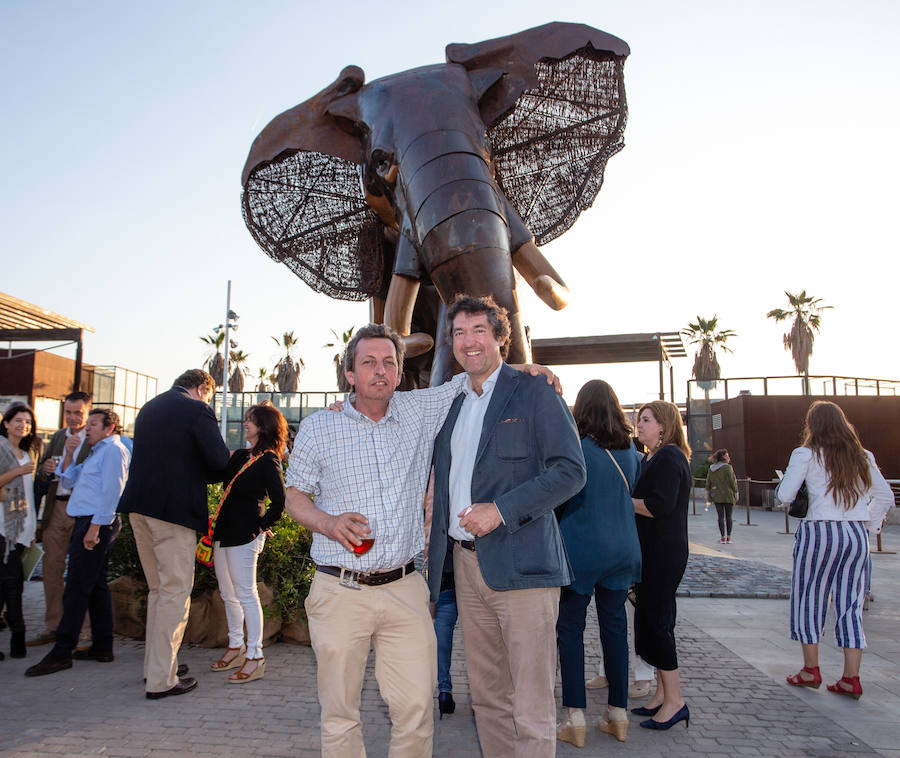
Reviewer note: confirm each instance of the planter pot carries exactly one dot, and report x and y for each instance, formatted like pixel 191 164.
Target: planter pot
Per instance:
pixel 206 625
pixel 295 633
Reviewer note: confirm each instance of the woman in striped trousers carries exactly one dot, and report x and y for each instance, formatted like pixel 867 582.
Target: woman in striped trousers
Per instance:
pixel 848 496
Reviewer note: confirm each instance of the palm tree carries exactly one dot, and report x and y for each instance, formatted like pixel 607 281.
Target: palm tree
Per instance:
pixel 287 370
pixel 262 376
pixel 340 339
pixel 806 312
pixel 215 362
pixel 706 334
pixel 238 359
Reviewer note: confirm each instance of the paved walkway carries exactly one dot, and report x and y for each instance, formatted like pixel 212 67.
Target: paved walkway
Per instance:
pixel 733 649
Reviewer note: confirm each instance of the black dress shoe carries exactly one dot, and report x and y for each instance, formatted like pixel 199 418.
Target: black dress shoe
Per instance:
pixel 93 655
pixel 184 685
pixel 50 664
pixel 645 711
pixel 446 704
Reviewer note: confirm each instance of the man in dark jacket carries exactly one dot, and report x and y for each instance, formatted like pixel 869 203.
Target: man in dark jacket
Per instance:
pixel 507 455
pixel 56 525
pixel 177 450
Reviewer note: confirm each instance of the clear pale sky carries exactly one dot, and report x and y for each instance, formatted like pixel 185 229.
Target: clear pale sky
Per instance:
pixel 761 155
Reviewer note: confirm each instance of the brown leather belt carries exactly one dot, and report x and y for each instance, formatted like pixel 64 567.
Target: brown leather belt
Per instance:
pixel 371 580
pixel 467 544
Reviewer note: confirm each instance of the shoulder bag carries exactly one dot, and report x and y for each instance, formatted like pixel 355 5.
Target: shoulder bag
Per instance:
pixel 204 551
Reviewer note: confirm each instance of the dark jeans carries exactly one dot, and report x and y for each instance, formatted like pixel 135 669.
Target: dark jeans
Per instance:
pixel 613 639
pixel 444 623
pixel 12 582
pixel 87 590
pixel 724 512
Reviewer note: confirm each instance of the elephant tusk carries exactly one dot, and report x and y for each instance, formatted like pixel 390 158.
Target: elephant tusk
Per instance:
pixel 398 310
pixel 535 269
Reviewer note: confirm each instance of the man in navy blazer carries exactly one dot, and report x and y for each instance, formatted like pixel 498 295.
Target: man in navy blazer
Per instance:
pixel 177 450
pixel 508 454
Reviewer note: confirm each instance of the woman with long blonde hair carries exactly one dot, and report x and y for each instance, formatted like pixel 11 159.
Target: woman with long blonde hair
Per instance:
pixel 660 500
pixel 847 494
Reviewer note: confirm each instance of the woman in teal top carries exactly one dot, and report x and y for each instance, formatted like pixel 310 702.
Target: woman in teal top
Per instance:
pixel 598 529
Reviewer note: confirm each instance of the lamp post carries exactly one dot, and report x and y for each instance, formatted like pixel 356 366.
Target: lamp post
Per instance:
pixel 231 319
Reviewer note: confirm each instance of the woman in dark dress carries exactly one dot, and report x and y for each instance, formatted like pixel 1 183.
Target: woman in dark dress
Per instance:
pixel 660 499
pixel 240 534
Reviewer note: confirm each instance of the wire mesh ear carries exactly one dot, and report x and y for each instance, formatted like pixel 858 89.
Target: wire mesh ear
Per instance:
pixel 550 151
pixel 307 210
pixel 553 119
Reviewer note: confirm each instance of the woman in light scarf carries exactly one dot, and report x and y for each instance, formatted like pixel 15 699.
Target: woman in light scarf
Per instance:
pixel 19 449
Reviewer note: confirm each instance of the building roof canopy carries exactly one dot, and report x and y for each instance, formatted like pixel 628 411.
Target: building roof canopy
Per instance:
pixel 610 348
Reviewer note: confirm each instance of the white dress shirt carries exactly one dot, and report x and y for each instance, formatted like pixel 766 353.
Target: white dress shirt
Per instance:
pixel 807 466
pixel 463 448
pixel 61 489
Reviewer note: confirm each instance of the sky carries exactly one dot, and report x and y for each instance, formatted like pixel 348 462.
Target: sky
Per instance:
pixel 760 156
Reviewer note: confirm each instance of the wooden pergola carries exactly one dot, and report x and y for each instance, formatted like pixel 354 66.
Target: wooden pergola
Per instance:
pixel 660 347
pixel 21 321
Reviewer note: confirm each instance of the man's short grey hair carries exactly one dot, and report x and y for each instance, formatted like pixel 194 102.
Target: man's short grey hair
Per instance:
pixel 376 331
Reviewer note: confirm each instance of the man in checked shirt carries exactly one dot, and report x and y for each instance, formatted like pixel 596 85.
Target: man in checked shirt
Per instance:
pixel 367 468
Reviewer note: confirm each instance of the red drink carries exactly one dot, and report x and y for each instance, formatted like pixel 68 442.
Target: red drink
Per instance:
pixel 365 546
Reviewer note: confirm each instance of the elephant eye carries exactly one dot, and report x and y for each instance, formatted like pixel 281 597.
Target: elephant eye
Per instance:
pixel 383 162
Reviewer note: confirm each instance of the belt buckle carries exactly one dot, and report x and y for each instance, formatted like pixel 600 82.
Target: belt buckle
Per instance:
pixel 348 580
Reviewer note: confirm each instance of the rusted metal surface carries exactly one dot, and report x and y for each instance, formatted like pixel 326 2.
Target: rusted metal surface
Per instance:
pixel 503 144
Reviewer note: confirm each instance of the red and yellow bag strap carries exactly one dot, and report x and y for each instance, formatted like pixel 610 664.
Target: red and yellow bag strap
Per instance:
pixel 250 461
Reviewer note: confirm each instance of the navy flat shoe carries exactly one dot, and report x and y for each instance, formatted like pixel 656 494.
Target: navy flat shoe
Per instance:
pixel 641 711
pixel 683 715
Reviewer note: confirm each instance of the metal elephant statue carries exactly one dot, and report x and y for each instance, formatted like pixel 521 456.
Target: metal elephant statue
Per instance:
pixel 448 175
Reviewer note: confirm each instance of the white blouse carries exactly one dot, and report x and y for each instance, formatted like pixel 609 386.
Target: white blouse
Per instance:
pixel 30 527
pixel 808 466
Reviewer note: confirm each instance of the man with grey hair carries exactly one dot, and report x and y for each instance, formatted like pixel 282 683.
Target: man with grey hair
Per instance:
pixel 357 480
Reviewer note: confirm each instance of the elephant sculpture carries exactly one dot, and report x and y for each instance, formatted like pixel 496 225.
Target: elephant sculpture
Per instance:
pixel 448 175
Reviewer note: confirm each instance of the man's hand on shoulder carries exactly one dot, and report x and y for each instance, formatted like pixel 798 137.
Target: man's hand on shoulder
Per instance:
pixel 480 519
pixel 536 369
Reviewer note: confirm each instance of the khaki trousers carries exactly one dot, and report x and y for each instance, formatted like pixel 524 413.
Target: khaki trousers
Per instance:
pixel 510 643
pixel 394 620
pixel 167 556
pixel 55 539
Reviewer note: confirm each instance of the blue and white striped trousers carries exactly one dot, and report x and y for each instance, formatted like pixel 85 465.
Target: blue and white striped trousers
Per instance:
pixel 831 560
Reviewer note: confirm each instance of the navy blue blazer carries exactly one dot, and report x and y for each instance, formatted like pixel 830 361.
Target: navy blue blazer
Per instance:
pixel 177 450
pixel 529 461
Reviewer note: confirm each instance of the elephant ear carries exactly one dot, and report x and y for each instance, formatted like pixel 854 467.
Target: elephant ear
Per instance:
pixel 303 202
pixel 553 119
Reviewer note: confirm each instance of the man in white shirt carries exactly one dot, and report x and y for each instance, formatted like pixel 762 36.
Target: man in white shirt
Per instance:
pixel 56 525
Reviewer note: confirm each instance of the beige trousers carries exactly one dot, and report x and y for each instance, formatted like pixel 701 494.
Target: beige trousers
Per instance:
pixel 510 643
pixel 344 624
pixel 167 556
pixel 55 539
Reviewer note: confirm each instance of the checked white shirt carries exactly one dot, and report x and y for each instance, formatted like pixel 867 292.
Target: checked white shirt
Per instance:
pixel 350 463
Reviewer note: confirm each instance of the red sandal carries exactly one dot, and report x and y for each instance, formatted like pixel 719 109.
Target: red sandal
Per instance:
pixel 855 688
pixel 797 679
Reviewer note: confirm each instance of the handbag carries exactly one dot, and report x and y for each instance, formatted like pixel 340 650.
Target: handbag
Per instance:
pixel 800 504
pixel 204 551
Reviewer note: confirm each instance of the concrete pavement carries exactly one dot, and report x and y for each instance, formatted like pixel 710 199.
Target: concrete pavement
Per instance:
pixel 734 653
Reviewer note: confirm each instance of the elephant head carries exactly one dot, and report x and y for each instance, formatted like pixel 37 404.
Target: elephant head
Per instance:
pixel 449 174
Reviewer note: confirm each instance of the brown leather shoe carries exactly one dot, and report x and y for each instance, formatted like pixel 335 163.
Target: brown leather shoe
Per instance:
pixel 50 664
pixel 184 685
pixel 93 655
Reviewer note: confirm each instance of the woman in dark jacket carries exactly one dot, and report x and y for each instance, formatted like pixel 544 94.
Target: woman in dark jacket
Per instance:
pixel 722 489
pixel 598 529
pixel 240 534
pixel 661 498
